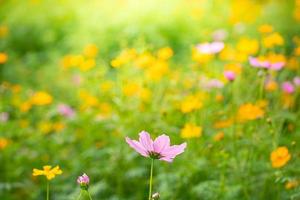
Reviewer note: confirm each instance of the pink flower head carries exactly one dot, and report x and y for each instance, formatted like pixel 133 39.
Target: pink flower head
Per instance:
pixel 255 62
pixel 297 81
pixel 83 180
pixel 65 110
pixel 210 48
pixel 288 87
pixel 229 75
pixel 158 149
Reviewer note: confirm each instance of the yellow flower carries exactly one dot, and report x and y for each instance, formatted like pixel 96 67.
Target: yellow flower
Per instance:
pixel 236 68
pixel 271 86
pixel 287 100
pixel 157 70
pixel 291 184
pixel 275 39
pixel 41 98
pixel 165 53
pixel 219 136
pixel 191 103
pixel 25 106
pixel 47 172
pixel 87 65
pixel 223 123
pixel 3 58
pixel 131 89
pixel 123 58
pixel 45 127
pixel 265 28
pixel 191 130
pixel 144 60
pixel 3 31
pixel 201 58
pixel 90 51
pixel 58 126
pixel 249 112
pixel 3 143
pixel 247 46
pixel 279 157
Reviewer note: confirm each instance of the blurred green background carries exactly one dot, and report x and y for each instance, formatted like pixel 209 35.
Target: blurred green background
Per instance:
pixel 38 40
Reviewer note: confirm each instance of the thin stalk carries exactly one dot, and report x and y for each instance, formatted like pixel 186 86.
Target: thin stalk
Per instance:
pixel 150 180
pixel 89 195
pixel 48 190
pixel 79 195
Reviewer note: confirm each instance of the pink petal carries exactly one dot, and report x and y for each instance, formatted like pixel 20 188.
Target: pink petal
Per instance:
pixel 137 146
pixel 277 65
pixel 146 141
pixel 161 142
pixel 173 151
pixel 167 159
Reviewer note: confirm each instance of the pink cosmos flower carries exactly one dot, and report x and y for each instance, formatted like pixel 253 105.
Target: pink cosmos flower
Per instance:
pixel 158 149
pixel 296 81
pixel 255 62
pixel 210 48
pixel 229 75
pixel 83 180
pixel 288 87
pixel 65 110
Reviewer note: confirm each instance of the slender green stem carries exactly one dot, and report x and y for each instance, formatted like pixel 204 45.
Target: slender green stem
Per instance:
pixel 79 195
pixel 262 85
pixel 89 195
pixel 47 190
pixel 150 180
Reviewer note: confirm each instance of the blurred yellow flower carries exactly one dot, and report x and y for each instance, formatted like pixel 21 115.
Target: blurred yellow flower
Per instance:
pixel 265 28
pixel 47 172
pixel 165 53
pixel 191 130
pixel 3 57
pixel 45 127
pixel 41 98
pixel 25 106
pixel 157 70
pixel 279 157
pixel 123 58
pixel 274 39
pixel 219 136
pixel 236 68
pixel 3 31
pixel 240 11
pixel 90 51
pixel 247 46
pixel 287 100
pixel 223 123
pixel 144 60
pixel 291 184
pixel 131 89
pixel 191 103
pixel 271 86
pixel 87 65
pixel 3 143
pixel 58 126
pixel 249 112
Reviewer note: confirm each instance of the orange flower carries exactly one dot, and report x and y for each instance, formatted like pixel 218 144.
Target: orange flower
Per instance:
pixel 249 112
pixel 3 58
pixel 279 157
pixel 219 136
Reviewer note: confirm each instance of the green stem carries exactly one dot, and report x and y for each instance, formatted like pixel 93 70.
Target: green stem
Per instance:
pixel 151 179
pixel 47 190
pixel 79 195
pixel 89 195
pixel 262 85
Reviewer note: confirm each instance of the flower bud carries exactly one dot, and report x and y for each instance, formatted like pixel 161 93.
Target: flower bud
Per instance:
pixel 83 181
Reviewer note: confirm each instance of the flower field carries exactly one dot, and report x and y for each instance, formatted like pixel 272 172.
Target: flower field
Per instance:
pixel 149 99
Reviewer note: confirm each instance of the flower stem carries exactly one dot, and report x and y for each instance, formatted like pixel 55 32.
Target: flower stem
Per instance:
pixel 89 195
pixel 150 180
pixel 47 190
pixel 79 195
